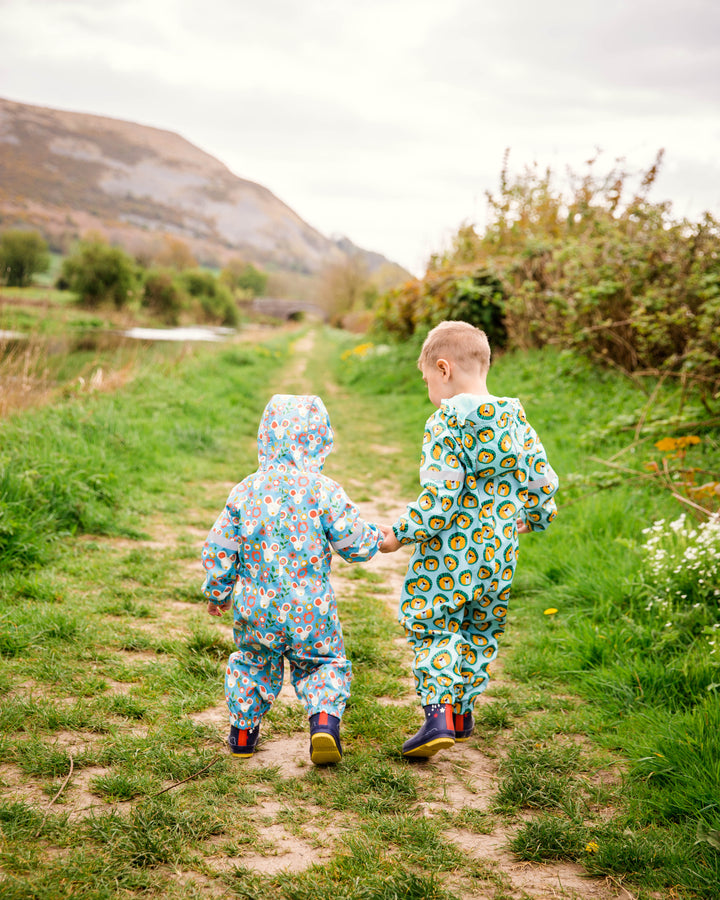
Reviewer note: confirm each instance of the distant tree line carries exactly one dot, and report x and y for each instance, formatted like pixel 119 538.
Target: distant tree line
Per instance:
pixel 171 285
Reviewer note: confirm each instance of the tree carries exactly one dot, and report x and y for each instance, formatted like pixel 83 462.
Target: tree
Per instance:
pixel 98 273
pixel 175 254
pixel 345 286
pixel 164 296
pixel 22 255
pixel 215 299
pixel 241 276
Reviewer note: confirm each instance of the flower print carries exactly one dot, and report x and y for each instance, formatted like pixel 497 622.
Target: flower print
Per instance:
pixel 322 646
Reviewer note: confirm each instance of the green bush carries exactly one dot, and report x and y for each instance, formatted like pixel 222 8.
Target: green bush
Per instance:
pixel 616 277
pixel 22 255
pixel 240 276
pixel 475 295
pixel 164 296
pixel 99 273
pixel 199 282
pixel 214 299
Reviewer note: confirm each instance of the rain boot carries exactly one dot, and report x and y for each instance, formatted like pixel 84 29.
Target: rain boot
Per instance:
pixel 464 725
pixel 325 739
pixel 437 732
pixel 242 741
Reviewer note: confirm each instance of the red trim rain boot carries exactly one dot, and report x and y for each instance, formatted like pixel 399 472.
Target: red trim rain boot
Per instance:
pixel 325 739
pixel 464 725
pixel 242 741
pixel 437 732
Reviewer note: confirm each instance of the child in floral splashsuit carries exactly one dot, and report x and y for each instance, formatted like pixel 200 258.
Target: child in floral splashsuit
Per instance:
pixel 485 478
pixel 268 554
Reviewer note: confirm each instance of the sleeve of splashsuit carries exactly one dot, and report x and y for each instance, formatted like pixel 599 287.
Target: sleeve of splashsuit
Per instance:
pixel 442 477
pixel 542 483
pixel 350 536
pixel 220 555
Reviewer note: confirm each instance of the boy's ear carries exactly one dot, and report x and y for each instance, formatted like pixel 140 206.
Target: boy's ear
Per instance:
pixel 444 368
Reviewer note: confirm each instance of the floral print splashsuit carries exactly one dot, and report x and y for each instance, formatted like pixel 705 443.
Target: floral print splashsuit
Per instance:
pixel 483 468
pixel 270 549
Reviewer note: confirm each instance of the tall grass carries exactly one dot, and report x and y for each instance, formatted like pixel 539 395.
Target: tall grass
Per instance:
pixel 86 465
pixel 580 619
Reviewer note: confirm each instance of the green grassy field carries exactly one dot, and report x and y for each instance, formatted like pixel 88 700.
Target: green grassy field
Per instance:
pixel 597 745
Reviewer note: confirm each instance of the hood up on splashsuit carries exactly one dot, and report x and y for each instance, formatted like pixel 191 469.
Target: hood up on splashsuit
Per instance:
pixel 295 430
pixel 492 433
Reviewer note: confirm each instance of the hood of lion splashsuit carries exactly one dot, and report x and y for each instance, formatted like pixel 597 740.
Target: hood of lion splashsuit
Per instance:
pixel 295 430
pixel 492 431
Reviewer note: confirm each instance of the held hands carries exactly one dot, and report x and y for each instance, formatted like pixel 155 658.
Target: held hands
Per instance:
pixel 217 609
pixel 390 543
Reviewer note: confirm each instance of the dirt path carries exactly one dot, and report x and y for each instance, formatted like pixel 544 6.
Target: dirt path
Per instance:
pixel 467 775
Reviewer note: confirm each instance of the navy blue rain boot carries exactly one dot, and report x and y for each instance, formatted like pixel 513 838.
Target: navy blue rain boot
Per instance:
pixel 437 732
pixel 464 725
pixel 242 741
pixel 325 739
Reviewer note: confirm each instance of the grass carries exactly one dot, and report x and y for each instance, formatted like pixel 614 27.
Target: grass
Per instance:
pixel 603 729
pixel 653 697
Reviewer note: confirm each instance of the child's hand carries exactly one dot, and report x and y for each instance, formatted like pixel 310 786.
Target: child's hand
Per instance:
pixel 390 542
pixel 217 609
pixel 522 527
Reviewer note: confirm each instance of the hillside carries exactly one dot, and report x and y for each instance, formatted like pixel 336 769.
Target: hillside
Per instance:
pixel 68 173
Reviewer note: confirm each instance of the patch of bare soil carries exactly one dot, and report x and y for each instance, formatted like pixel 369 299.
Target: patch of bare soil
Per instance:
pixel 79 796
pixel 73 791
pixel 539 881
pixel 281 847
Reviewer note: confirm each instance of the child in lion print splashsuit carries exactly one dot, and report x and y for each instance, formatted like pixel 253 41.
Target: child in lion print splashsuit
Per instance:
pixel 485 479
pixel 268 554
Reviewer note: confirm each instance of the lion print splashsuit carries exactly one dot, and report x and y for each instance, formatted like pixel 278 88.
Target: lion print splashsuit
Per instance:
pixel 482 469
pixel 271 550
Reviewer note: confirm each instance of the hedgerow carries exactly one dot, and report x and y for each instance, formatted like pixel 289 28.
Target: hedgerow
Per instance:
pixel 597 267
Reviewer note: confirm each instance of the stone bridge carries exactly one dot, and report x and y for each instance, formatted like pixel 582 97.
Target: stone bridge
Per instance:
pixel 286 309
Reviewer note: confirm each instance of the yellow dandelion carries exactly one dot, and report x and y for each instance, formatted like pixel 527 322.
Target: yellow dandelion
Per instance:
pixel 550 611
pixel 592 847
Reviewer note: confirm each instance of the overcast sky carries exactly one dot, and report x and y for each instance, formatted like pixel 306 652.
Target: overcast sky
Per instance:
pixel 386 120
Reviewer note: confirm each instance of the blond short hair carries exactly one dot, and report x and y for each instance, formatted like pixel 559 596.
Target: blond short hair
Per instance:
pixel 459 342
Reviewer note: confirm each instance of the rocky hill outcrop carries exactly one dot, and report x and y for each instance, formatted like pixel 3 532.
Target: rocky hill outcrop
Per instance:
pixel 68 173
